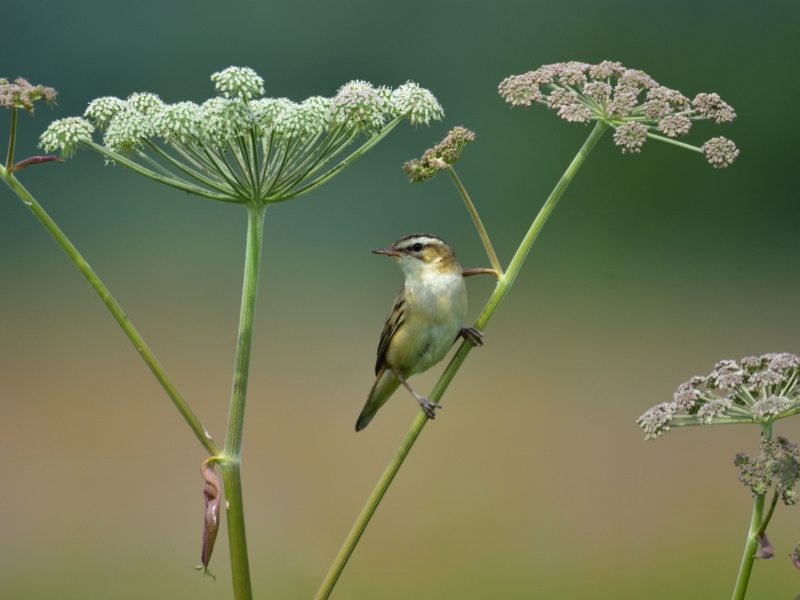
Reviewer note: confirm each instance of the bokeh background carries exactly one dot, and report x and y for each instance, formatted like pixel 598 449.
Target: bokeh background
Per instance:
pixel 535 480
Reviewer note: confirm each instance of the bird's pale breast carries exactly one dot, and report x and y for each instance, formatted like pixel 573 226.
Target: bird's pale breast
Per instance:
pixel 435 310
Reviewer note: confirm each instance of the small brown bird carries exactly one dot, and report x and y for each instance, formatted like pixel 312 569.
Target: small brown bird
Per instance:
pixel 425 321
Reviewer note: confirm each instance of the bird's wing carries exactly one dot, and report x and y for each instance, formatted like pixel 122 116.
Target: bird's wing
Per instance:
pixel 393 321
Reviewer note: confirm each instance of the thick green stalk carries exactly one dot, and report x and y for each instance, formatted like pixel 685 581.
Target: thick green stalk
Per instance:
pixel 116 311
pixel 749 550
pixel 12 140
pixel 503 285
pixel 751 545
pixel 231 466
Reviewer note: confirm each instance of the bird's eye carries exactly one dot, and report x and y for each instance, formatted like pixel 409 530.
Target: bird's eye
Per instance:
pixel 416 247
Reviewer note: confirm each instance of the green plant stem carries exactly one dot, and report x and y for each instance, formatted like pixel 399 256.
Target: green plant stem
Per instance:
pixel 503 285
pixel 231 466
pixel 334 170
pixel 477 220
pixel 147 354
pixel 749 550
pixel 751 545
pixel 170 181
pixel 763 529
pixel 661 138
pixel 12 140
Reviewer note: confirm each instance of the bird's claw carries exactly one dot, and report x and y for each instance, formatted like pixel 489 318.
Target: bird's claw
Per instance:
pixel 473 335
pixel 427 408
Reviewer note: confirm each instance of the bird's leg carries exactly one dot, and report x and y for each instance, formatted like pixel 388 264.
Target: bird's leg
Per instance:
pixel 471 272
pixel 472 334
pixel 427 407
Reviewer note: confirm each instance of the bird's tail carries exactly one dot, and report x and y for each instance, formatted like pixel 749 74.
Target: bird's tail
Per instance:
pixel 385 385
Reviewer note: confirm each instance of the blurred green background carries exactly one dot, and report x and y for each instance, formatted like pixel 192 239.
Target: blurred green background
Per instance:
pixel 535 480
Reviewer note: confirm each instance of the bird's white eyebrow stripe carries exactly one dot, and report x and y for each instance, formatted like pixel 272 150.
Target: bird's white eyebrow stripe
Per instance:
pixel 421 238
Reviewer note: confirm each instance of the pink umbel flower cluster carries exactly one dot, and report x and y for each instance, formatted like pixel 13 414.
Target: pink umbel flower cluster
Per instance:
pixel 630 101
pixel 756 389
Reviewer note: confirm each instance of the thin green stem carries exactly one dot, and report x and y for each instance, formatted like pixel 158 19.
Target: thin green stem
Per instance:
pixel 147 355
pixel 347 161
pixel 317 158
pixel 751 545
pixel 183 168
pixel 763 529
pixel 267 146
pixel 137 168
pixel 12 140
pixel 258 183
pixel 745 395
pixel 158 167
pixel 503 285
pixel 661 138
pixel 224 169
pixel 231 467
pixel 692 421
pixel 477 220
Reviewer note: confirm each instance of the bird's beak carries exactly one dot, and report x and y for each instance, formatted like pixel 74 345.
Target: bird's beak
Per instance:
pixel 387 251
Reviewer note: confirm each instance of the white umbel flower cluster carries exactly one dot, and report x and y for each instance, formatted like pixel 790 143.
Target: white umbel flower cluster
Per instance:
pixel 239 82
pixel 102 110
pixel 67 135
pixel 358 107
pixel 419 104
pixel 240 146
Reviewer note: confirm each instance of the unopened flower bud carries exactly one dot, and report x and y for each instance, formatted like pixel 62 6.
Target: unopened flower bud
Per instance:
pixel 211 494
pixel 765 550
pixel 796 556
pixel 441 156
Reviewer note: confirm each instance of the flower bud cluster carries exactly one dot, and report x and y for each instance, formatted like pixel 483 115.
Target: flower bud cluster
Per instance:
pixel 67 134
pixel 360 105
pixel 22 94
pixel 755 389
pixel 239 111
pixel 777 468
pixel 630 101
pixel 419 104
pixel 239 82
pixel 442 155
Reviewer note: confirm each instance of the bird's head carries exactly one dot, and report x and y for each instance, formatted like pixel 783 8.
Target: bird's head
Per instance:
pixel 421 254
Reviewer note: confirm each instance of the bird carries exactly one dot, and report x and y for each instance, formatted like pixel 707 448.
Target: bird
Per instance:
pixel 426 319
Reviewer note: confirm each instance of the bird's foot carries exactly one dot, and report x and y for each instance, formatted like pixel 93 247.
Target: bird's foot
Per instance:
pixel 427 407
pixel 473 335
